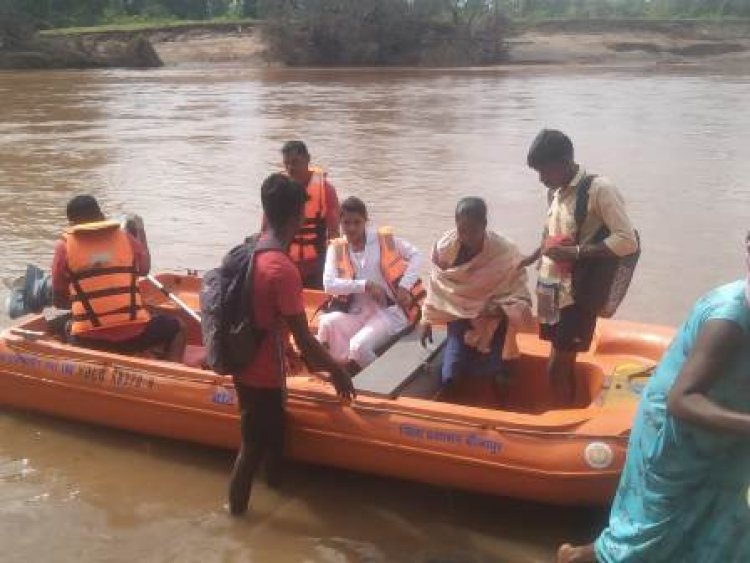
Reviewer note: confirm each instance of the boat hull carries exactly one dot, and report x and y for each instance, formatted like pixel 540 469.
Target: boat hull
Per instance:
pixel 374 440
pixel 542 458
pixel 524 449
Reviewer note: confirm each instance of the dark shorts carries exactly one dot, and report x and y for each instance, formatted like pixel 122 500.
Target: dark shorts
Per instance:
pixel 573 333
pixel 160 330
pixel 262 418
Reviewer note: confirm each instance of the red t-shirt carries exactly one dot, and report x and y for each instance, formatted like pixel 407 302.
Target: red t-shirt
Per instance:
pixel 277 293
pixel 61 288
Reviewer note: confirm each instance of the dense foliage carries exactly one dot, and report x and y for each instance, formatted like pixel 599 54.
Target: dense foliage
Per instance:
pixel 15 26
pixel 91 12
pixel 379 32
pixel 541 9
pixel 61 13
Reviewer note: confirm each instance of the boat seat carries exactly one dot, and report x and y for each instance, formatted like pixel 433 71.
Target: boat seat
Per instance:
pixel 403 361
pixel 428 383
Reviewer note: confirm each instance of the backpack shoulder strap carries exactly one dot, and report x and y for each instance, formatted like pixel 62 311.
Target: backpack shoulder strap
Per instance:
pixel 582 200
pixel 246 303
pixel 256 246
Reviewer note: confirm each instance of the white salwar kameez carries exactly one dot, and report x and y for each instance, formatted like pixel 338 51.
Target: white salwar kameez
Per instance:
pixel 357 334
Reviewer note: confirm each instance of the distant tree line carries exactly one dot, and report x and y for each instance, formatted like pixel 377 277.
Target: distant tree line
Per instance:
pixel 60 13
pixel 15 26
pixel 586 9
pixel 92 12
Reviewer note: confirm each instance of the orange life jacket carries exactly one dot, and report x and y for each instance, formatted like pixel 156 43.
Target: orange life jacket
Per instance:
pixel 103 278
pixel 392 266
pixel 309 244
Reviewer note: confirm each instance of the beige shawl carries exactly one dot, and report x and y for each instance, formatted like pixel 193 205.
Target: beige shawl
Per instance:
pixel 462 292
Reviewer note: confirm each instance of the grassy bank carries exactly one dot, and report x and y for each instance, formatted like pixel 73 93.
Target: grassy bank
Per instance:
pixel 152 25
pixel 522 24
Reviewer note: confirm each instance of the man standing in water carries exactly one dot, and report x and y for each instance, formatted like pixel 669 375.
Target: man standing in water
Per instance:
pixel 321 214
pixel 278 308
pixel 605 232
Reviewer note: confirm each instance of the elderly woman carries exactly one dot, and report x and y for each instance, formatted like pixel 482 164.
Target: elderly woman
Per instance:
pixel 477 288
pixel 683 494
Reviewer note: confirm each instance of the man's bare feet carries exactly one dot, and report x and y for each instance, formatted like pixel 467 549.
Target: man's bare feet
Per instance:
pixel 582 554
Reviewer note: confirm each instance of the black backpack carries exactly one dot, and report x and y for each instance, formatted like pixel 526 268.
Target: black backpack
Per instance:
pixel 228 324
pixel 600 284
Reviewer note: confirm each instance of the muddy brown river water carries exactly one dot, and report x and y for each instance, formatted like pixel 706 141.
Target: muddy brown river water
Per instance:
pixel 187 149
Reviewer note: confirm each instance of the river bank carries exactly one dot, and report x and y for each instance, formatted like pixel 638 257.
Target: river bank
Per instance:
pixel 22 48
pixel 559 42
pixel 613 42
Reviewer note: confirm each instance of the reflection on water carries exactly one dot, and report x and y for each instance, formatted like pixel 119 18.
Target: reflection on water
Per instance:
pixel 188 148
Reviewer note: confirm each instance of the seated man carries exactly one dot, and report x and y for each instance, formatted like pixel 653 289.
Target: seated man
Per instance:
pixel 374 280
pixel 477 288
pixel 95 273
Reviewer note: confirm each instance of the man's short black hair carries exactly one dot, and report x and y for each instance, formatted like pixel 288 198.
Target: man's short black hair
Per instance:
pixel 282 199
pixel 83 209
pixel 550 145
pixel 353 204
pixel 294 147
pixel 473 208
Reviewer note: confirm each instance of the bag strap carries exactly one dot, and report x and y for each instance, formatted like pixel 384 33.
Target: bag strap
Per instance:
pixel 582 202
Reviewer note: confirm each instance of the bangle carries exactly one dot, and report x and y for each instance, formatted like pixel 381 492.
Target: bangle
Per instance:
pixel 578 251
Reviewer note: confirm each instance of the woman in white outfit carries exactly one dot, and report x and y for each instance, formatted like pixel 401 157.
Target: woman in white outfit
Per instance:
pixel 374 301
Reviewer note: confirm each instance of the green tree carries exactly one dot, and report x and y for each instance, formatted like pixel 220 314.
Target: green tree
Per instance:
pixel 380 32
pixel 15 26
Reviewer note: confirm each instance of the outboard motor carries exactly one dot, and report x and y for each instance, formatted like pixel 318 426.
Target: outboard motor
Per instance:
pixel 30 293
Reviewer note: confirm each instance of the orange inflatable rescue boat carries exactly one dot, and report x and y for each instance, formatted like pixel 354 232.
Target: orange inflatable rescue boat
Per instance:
pixel 480 438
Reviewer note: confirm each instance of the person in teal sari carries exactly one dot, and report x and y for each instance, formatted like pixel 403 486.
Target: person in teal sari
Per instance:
pixel 683 495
